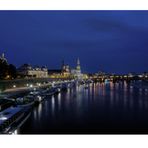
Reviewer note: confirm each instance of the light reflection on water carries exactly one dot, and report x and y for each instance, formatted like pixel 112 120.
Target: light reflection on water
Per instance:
pixel 99 102
pixel 59 101
pixel 53 105
pixel 16 132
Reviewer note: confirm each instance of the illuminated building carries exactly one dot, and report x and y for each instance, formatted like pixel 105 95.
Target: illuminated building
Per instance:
pixel 77 72
pixel 3 59
pixel 26 70
pixel 55 73
pixel 65 70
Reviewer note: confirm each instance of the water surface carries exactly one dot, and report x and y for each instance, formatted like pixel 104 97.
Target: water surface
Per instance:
pixel 103 108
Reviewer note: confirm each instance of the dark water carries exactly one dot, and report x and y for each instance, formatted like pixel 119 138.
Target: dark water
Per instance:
pixel 103 108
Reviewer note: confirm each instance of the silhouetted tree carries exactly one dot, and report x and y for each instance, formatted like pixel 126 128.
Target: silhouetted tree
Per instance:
pixel 12 71
pixel 3 69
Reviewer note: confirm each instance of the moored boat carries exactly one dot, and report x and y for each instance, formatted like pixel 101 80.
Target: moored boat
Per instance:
pixel 25 101
pixel 38 99
pixel 6 103
pixel 12 117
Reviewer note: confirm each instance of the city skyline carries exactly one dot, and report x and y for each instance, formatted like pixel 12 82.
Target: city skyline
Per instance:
pixel 111 41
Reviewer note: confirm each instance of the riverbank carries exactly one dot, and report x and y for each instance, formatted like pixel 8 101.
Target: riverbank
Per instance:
pixel 21 90
pixel 10 85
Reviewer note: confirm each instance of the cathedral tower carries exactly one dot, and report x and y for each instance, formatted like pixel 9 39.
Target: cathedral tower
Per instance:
pixel 78 68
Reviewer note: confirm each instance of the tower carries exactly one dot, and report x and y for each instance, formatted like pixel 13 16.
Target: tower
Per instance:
pixel 78 68
pixel 3 56
pixel 3 59
pixel 63 63
pixel 63 66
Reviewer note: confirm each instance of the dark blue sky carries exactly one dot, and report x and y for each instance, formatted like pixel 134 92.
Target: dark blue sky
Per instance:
pixel 112 41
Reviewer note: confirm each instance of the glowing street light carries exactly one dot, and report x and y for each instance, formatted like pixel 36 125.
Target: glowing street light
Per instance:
pixel 31 85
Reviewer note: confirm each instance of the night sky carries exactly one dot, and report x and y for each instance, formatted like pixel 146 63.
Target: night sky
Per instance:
pixel 110 41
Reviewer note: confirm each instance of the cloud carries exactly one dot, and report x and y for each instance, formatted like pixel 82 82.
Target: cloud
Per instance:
pixel 106 25
pixel 112 25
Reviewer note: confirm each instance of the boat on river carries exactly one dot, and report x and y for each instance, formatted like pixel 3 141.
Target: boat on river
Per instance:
pixel 12 118
pixel 6 103
pixel 25 101
pixel 50 91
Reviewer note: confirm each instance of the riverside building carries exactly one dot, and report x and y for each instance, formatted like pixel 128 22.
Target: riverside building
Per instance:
pixel 28 71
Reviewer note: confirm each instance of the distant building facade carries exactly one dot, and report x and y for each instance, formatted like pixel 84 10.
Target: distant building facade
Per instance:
pixel 27 70
pixel 65 70
pixel 76 73
pixel 54 73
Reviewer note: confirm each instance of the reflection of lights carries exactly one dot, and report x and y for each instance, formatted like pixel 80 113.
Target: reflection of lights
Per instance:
pixel 59 95
pixel 14 133
pixel 27 85
pixel 3 118
pixel 52 104
pixel 68 90
pixel 52 101
pixel 39 108
pixel 59 100
pixel 39 98
pixel 106 81
pixel 35 114
pixel 31 85
pixel 14 86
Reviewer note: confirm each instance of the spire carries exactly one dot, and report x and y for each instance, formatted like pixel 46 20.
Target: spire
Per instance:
pixel 3 56
pixel 78 65
pixel 78 62
pixel 63 63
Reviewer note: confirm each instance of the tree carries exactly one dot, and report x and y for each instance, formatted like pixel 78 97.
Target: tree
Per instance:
pixel 3 69
pixel 12 71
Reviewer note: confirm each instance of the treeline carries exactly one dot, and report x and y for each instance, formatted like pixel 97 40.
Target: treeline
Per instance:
pixel 7 71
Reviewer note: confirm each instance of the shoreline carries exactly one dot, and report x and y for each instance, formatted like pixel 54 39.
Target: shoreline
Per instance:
pixel 18 90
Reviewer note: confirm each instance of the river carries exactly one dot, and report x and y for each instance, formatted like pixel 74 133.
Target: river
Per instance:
pixel 102 108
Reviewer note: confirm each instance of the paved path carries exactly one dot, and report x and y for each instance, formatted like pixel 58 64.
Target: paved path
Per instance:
pixel 17 90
